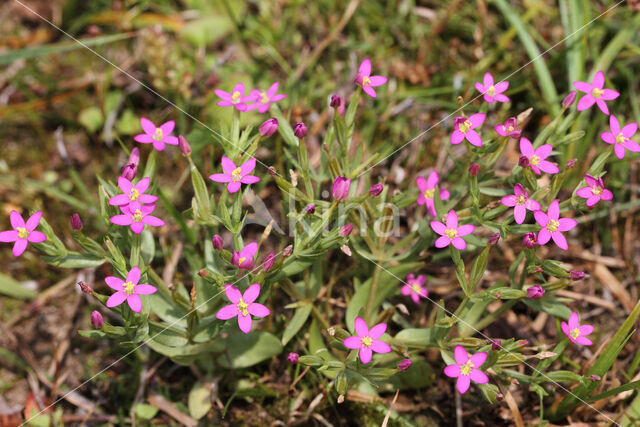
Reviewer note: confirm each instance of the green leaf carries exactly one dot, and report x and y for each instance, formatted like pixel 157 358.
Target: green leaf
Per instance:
pixel 145 411
pixel 415 337
pixel 563 377
pixel 479 266
pixel 92 333
pixel 297 321
pixel 244 350
pixel 75 260
pixel 199 400
pixel 420 375
pixel 206 30
pixel 12 288
pixel 91 118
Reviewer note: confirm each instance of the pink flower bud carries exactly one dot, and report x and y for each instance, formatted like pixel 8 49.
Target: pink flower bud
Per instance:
pixel 268 262
pixel 341 187
pixel 523 343
pixel 218 243
pixel 473 169
pixel 129 171
pixel 569 99
pixel 286 252
pixel 405 364
pixel 595 377
pixel 183 144
pixel 529 240
pixel 96 319
pixel 538 269
pixel 293 358
pixel 523 161
pixel 300 130
pixel 203 273
pixel 268 127
pixel 576 274
pixel 494 239
pixel 346 230
pixel 336 100
pixel 535 292
pixel 76 222
pixel 134 157
pixel 376 189
pixel 310 208
pixel 496 345
pixel 571 163
pixel 84 287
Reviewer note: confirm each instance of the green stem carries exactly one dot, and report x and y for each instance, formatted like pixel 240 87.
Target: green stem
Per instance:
pixel 372 292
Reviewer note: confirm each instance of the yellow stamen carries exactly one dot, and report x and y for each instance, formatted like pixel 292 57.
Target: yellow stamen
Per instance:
pixel 22 232
pixel 235 175
pixel 128 288
pixel 620 139
pixel 241 260
pixel 596 93
pixel 137 216
pixel 464 127
pixel 134 194
pixel 264 98
pixel 575 333
pixel 367 341
pixel 451 233
pixel 466 368
pixel 491 91
pixel 158 136
pixel 429 193
pixel 534 160
pixel 553 225
pixel 416 288
pixel 235 97
pixel 366 81
pixel 510 129
pixel 243 307
pixel 521 200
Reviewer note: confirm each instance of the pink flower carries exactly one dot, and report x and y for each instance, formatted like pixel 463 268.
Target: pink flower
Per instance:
pixel 595 93
pixel 414 287
pixel 236 176
pixel 158 136
pixel 243 306
pixel 428 190
pixel 451 233
pixel 22 232
pixel 553 226
pixel 263 99
pixel 367 340
pixel 341 187
pixel 234 99
pixel 366 81
pixel 132 193
pixel 529 240
pixel 536 158
pixel 575 332
pixel 535 292
pixel 464 128
pixel 594 191
pixel 492 92
pixel 467 369
pixel 620 137
pixel 520 202
pixel 509 128
pixel 136 216
pixel 245 257
pixel 129 290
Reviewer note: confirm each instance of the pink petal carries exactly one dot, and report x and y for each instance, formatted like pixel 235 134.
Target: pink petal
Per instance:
pixel 258 310
pixel 377 80
pixel 459 243
pixel 171 140
pixel 244 323
pixel 406 290
pixel 584 341
pixel 583 86
pixel 478 359
pixel 158 145
pixel 460 355
pixel 143 138
pixel 608 137
pixel 606 195
pixel 567 224
pixel 370 91
pixel 541 218
pixel 614 124
pixel 33 221
pixel 416 298
pixel 590 180
pixel 167 127
pixel 380 346
pixel 220 177
pixel 632 146
pixel 532 205
pixel 233 187
pixel 603 106
pixel 574 320
pixel 544 150
pixel 509 201
pixel 442 242
pixel 134 275
pixel 452 371
pixel 463 383
pixel 457 137
pixel 147 198
pixel 431 207
pixel 362 330
pixel 432 180
pixel 488 98
pixel 585 329
pixel 565 329
pixel 609 94
pixel 598 80
pixel 501 130
pixel 479 377
pixel 473 138
pixel 586 102
pixel 137 227
pixel 519 213
pixel 487 80
pixel 466 229
pixel 560 240
pixel 377 330
pixel 252 293
pixel 593 200
pixel 544 236
pixel 629 130
pixel 525 147
pixel 227 165
pixel 250 250
pixel 444 194
pixel 239 87
pixel 501 98
pixel 452 219
pixel 548 167
pixel 619 150
pixel 120 199
pixel 365 354
pixel 248 166
pixel 477 120
pixel 249 179
pixel 8 236
pixel 114 283
pixel 352 342
pixel 438 227
pixel 144 289
pixel 16 220
pixel 554 210
pixel 36 237
pixel 19 247
pixel 116 299
pixel 121 219
pixel 365 67
pixel 147 126
pixel 141 186
pixel 232 293
pixel 227 312
pixel 153 221
pixel 501 86
pixel 422 183
pixel 480 88
pixel 135 303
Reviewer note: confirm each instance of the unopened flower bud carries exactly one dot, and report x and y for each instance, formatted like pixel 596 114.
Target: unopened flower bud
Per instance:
pixel 523 343
pixel 76 222
pixel 535 292
pixel 523 161
pixel 272 171
pixel 538 269
pixel 134 157
pixel 346 230
pixel 496 345
pixel 268 127
pixel 84 287
pixel 529 240
pixel 268 262
pixel 286 252
pixel 571 163
pixel 576 274
pixel 494 239
pixel 376 189
pixel 336 100
pixel 499 396
pixel 310 208
pixel 183 144
pixel 203 273
pixel 129 171
pixel 218 243
pixel 405 364
pixel 346 249
pixel 595 377
pixel 300 130
pixel 293 358
pixel 569 99
pixel 341 187
pixel 96 319
pixel 473 169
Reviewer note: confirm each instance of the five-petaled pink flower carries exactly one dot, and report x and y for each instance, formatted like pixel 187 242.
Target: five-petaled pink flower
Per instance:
pixel 366 81
pixel 594 191
pixel 243 306
pixel 158 136
pixel 595 93
pixel 234 99
pixel 129 290
pixel 132 193
pixel 136 216
pixel 575 332
pixel 620 137
pixel 236 176
pixel 23 232
pixel 508 128
pixel 466 369
pixel 245 257
pixel 553 226
pixel 492 92
pixel 451 233
pixel 367 340
pixel 428 191
pixel 464 128
pixel 537 157
pixel 415 287
pixel 263 100
pixel 520 202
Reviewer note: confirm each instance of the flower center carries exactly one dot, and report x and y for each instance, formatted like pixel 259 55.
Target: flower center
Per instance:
pixel 158 135
pixel 464 127
pixel 510 129
pixel 366 81
pixel 235 97
pixel 451 233
pixel 596 93
pixel 134 194
pixel 416 289
pixel 367 341
pixel 575 333
pixel 235 175
pixel 521 200
pixel 534 160
pixel 553 225
pixel 137 216
pixel 466 368
pixel 243 307
pixel 596 190
pixel 429 193
pixel 491 91
pixel 241 260
pixel 264 98
pixel 620 139
pixel 128 288
pixel 22 232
